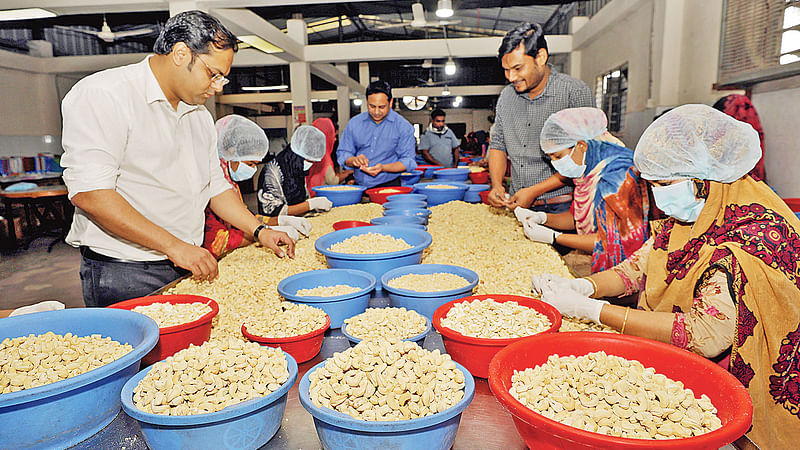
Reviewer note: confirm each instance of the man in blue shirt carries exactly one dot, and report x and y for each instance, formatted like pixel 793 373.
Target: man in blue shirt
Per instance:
pixel 439 144
pixel 379 144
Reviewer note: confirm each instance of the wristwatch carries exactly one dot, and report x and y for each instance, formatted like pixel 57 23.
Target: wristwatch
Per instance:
pixel 258 230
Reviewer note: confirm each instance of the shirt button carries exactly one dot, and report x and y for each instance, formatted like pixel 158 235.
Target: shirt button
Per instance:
pixel 529 124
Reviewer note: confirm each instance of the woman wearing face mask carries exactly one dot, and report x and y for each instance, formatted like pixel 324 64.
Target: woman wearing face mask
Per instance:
pixel 241 145
pixel 608 216
pixel 282 183
pixel 721 277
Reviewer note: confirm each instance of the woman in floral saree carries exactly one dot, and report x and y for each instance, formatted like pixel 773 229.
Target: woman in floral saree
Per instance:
pixel 721 277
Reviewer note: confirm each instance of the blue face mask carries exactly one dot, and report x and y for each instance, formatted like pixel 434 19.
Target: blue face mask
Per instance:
pixel 567 167
pixel 243 172
pixel 678 200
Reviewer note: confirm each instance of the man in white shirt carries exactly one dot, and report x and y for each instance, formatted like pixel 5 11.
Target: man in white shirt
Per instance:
pixel 140 163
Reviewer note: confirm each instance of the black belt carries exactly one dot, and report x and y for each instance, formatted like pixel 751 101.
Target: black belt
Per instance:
pixel 88 253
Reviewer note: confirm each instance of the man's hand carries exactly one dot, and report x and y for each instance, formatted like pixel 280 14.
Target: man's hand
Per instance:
pixel 497 197
pixel 523 197
pixel 373 170
pixel 359 161
pixel 273 239
pixel 196 259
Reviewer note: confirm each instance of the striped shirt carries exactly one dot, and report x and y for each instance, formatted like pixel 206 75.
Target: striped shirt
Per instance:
pixel 519 120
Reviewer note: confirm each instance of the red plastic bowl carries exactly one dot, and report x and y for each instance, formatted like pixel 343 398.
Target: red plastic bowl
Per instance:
pixel 485 196
pixel 342 224
pixel 479 177
pixel 378 195
pixel 735 409
pixel 176 338
pixel 475 353
pixel 302 348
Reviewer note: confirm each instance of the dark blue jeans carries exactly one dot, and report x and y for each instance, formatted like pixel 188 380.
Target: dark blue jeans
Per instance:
pixel 105 283
pixel 552 208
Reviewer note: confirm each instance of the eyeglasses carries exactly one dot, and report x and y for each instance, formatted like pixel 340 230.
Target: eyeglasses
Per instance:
pixel 216 78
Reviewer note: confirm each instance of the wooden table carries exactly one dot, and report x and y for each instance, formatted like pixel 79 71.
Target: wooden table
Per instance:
pixel 48 205
pixel 41 178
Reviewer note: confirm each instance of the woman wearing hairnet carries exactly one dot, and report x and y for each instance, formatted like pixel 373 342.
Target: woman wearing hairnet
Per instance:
pixel 322 171
pixel 721 278
pixel 241 145
pixel 608 216
pixel 282 183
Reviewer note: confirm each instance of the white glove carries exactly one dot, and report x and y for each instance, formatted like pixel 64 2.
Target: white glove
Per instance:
pixel 540 233
pixel 525 215
pixel 291 231
pixel 298 223
pixel 320 203
pixel 49 305
pixel 550 282
pixel 571 303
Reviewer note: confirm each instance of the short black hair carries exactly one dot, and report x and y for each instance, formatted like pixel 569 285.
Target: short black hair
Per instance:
pixel 437 113
pixel 531 35
pixel 379 87
pixel 197 30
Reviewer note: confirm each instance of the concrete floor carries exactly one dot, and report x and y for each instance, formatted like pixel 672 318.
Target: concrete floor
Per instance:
pixel 33 275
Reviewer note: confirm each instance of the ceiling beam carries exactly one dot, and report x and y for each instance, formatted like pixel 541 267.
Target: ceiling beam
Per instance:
pixel 64 7
pixel 331 74
pixel 275 97
pixel 420 49
pixel 244 22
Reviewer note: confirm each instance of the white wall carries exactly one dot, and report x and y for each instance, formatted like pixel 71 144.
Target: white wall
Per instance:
pixel 778 107
pixel 671 49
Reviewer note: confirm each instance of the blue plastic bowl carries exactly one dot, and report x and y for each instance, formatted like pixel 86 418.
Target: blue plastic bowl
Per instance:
pixel 401 221
pixel 62 414
pixel 428 170
pixel 435 432
pixel 408 204
pixel 248 424
pixel 455 174
pixel 412 177
pixel 401 198
pixel 426 303
pixel 338 307
pixel 414 212
pixel 477 158
pixel 440 196
pixel 376 263
pixel 341 198
pixel 472 195
pixel 416 339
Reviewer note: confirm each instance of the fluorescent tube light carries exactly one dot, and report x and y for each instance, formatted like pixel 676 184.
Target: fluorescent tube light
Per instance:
pixel 25 14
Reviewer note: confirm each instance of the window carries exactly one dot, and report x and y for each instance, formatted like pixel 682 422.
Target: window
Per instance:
pixel 760 41
pixel 611 95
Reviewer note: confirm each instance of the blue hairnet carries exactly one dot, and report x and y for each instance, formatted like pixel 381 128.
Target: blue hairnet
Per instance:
pixel 240 139
pixel 565 128
pixel 697 141
pixel 308 142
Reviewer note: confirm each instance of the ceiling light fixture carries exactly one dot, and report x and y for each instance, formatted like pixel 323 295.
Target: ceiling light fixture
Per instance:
pixel 265 88
pixel 260 44
pixel 25 14
pixel 357 101
pixel 450 67
pixel 446 91
pixel 444 8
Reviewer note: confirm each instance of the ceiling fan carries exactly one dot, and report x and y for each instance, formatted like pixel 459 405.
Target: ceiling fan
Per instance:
pixel 418 20
pixel 107 35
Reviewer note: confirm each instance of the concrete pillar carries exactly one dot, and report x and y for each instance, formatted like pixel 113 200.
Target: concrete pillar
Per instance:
pixel 343 100
pixel 180 6
pixel 363 78
pixel 575 56
pixel 299 77
pixel 667 40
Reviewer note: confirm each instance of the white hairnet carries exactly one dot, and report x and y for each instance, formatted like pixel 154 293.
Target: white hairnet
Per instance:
pixel 565 128
pixel 240 139
pixel 308 142
pixel 697 141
